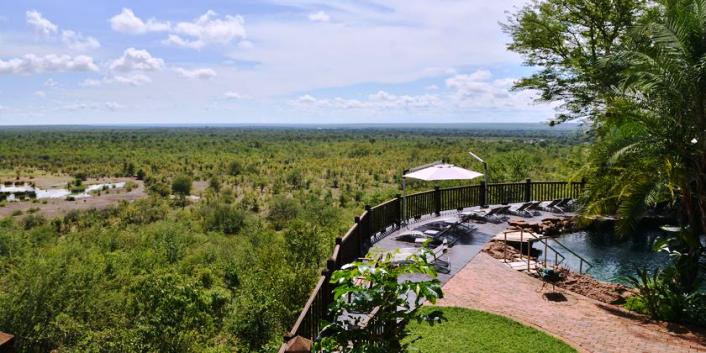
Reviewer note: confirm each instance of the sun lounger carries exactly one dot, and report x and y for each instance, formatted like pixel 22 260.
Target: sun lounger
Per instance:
pixel 438 256
pixel 438 231
pixel 412 236
pixel 563 205
pixel 493 215
pixel 522 210
pixel 534 205
pixel 435 232
pixel 550 207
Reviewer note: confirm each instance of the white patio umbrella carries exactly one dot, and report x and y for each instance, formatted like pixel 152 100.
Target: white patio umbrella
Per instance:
pixel 434 172
pixel 443 171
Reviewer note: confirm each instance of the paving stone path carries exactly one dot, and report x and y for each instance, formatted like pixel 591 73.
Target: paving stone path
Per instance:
pixel 586 324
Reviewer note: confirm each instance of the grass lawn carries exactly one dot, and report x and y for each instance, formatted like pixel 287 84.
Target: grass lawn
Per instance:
pixel 476 331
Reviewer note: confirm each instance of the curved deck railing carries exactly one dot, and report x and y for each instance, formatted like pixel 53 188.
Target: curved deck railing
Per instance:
pixel 376 222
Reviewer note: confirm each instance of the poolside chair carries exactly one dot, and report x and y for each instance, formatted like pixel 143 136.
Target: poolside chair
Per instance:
pixel 493 215
pixel 534 205
pixel 550 207
pixel 436 232
pixel 522 210
pixel 559 206
pixel 550 276
pixel 564 205
pixel 412 236
pixel 441 231
pixel 437 257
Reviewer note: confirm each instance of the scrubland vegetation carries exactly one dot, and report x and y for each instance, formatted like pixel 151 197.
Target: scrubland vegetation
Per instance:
pixel 230 271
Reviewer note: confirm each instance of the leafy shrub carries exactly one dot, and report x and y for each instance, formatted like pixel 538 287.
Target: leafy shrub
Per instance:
pixel 130 185
pixel 33 220
pixel 224 218
pixel 282 211
pixel 172 313
pixel 387 291
pixel 158 188
pixel 215 184
pixel 181 185
pixel 234 168
pixel 307 245
pixel 663 299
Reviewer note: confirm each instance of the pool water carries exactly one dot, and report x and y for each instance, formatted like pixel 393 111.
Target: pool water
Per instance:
pixel 613 257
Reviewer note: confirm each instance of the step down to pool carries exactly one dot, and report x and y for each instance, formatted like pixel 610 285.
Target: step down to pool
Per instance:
pixel 522 265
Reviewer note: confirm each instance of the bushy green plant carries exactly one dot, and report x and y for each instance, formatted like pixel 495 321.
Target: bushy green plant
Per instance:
pixel 181 185
pixel 663 298
pixel 282 211
pixel 218 217
pixel 33 220
pixel 380 289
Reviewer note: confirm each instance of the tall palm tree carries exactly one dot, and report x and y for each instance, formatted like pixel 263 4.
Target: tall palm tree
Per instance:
pixel 651 144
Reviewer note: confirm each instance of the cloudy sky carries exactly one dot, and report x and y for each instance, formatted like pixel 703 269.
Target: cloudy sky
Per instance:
pixel 277 61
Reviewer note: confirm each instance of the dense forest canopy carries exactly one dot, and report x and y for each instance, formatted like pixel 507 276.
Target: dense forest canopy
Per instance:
pixel 231 271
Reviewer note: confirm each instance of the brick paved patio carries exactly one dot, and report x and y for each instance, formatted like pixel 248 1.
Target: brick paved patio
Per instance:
pixel 586 324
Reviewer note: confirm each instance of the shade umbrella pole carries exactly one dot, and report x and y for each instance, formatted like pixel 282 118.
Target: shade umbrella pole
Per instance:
pixel 437 171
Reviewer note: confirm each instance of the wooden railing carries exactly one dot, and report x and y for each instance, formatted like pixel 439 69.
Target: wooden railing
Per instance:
pixel 375 222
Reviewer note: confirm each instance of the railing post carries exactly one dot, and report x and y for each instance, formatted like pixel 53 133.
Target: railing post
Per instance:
pixel 545 252
pixel 367 227
pixel 580 266
pixel 528 190
pixel 483 194
pixel 437 201
pixel 398 214
pixel 339 241
pixel 327 272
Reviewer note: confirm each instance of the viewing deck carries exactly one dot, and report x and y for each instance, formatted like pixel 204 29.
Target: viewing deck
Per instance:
pixel 378 226
pixel 469 244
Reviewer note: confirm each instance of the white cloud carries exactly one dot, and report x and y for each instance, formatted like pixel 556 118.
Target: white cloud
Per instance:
pixel 40 24
pixel 476 85
pixel 380 100
pixel 78 41
pixel 464 92
pixel 32 64
pixel 73 40
pixel 41 94
pixel 127 22
pixel 207 29
pixel 245 44
pixel 113 106
pixel 319 16
pixel 50 83
pixel 480 90
pixel 175 40
pixel 137 79
pixel 98 106
pixel 234 95
pixel 132 80
pixel 136 60
pixel 203 73
pixel 89 82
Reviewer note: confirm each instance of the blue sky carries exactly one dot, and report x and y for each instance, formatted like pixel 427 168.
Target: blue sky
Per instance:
pixel 279 61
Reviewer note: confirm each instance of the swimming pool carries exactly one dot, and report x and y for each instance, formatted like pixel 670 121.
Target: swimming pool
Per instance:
pixel 613 257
